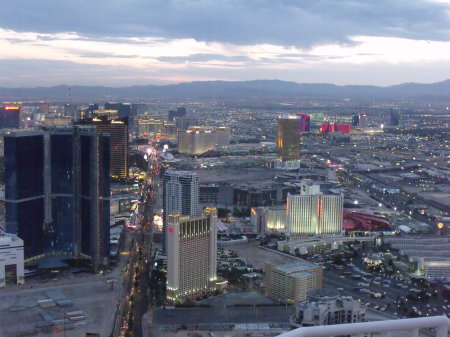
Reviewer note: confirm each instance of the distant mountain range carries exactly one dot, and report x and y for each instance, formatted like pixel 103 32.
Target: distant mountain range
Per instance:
pixel 259 89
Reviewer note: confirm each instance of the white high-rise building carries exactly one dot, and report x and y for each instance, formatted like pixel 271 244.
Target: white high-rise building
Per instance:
pixel 312 212
pixel 308 187
pixel 180 196
pixel 191 255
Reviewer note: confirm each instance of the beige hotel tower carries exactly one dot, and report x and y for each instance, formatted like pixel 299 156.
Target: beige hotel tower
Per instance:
pixel 191 255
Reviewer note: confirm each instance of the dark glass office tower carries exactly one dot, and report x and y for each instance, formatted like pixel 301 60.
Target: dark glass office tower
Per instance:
pixel 9 117
pixel 24 189
pixel 123 109
pixel 94 192
pixel 57 191
pixel 179 112
pixel 60 228
pixel 395 116
pixel 355 119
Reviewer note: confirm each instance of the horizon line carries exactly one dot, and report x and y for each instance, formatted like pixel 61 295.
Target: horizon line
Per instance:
pixel 212 81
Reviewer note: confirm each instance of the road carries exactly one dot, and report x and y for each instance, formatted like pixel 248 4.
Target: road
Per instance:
pixel 135 301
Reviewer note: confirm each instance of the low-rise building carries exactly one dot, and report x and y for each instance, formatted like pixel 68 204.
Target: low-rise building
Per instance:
pixel 325 306
pixel 435 270
pixel 268 219
pixel 430 253
pixel 319 244
pixel 11 260
pixel 290 282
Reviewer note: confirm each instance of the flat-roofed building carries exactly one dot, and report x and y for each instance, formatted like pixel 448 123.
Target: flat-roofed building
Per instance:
pixel 268 219
pixel 11 260
pixel 191 255
pixel 196 140
pixel 325 306
pixel 313 212
pixel 288 143
pixel 118 132
pixel 150 126
pixel 180 196
pixel 435 270
pixel 290 282
pixel 222 136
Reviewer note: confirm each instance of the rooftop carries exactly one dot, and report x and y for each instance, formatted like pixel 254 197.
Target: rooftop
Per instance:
pixel 301 274
pixel 7 239
pixel 296 266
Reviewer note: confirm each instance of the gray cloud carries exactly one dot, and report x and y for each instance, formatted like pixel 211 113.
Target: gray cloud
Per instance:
pixel 285 22
pixel 203 58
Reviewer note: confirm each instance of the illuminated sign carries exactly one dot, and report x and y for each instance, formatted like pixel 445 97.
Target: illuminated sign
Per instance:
pixel 11 108
pixel 171 230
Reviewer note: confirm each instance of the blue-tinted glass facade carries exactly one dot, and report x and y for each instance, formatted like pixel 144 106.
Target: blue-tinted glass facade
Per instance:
pixel 85 162
pixel 86 226
pixel 60 233
pixel 26 220
pixel 24 190
pixel 24 166
pixel 61 148
pixel 55 181
pixel 9 118
pixel 105 192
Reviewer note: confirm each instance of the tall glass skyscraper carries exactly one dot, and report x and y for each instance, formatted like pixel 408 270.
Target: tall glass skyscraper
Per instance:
pixel 288 143
pixel 395 116
pixel 24 189
pixel 9 117
pixel 57 191
pixel 180 196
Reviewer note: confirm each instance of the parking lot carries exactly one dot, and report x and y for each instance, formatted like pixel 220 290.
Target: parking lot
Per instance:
pixel 349 275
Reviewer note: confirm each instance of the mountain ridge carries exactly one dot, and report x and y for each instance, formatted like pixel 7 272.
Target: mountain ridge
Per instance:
pixel 231 89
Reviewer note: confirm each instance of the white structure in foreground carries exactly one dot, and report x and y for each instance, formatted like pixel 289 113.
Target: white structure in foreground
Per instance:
pixel 407 327
pixel 325 306
pixel 11 260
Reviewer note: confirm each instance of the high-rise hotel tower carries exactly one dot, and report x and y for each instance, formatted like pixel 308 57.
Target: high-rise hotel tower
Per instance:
pixel 191 255
pixel 313 212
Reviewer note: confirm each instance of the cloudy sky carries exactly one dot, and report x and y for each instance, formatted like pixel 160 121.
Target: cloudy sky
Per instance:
pixel 126 42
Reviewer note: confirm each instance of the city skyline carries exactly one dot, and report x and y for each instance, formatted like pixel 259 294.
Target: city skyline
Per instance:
pixel 379 43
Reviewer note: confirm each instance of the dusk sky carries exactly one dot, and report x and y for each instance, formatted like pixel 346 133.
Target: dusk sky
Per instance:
pixel 128 42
